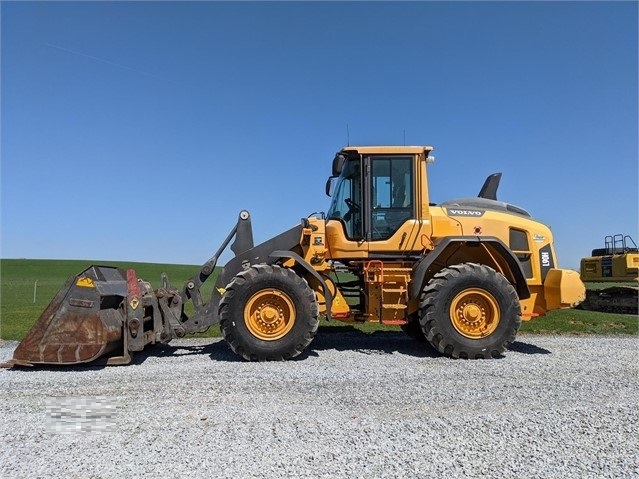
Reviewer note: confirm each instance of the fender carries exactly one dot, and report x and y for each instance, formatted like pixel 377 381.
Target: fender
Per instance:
pixel 421 267
pixel 299 260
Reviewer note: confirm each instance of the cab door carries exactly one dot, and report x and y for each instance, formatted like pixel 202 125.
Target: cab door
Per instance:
pixel 392 205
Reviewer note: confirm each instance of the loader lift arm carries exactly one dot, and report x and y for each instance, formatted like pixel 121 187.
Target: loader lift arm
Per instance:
pixel 246 254
pixel 243 234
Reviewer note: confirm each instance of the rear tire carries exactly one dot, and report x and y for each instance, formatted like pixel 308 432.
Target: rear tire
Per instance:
pixel 414 330
pixel 470 311
pixel 268 313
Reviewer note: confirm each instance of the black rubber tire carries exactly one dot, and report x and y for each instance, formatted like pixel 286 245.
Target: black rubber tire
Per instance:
pixel 435 316
pixel 262 277
pixel 414 330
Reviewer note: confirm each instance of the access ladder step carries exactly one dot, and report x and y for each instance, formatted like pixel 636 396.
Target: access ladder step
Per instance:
pixel 394 322
pixel 394 306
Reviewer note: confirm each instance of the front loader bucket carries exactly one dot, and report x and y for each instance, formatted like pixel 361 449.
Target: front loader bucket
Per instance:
pixel 82 323
pixel 108 311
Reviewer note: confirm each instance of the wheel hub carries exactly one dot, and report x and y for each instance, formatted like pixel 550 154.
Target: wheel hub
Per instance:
pixel 269 317
pixel 474 313
pixel 269 314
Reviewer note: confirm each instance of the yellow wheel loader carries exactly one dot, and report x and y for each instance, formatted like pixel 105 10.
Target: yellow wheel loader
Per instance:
pixel 461 275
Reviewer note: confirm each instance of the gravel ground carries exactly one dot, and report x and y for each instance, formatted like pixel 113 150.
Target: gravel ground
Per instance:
pixel 354 405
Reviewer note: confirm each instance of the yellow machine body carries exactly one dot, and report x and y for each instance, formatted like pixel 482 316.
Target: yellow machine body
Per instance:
pixel 385 265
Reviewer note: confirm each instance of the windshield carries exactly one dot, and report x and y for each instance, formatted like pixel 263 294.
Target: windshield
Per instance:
pixel 347 200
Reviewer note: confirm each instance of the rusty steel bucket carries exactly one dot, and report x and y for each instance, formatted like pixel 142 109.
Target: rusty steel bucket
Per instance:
pixel 106 313
pixel 84 321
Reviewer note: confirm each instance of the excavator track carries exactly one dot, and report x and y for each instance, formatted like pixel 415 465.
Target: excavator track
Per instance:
pixel 616 299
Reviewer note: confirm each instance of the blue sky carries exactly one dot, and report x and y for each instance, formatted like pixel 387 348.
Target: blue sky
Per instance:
pixel 138 131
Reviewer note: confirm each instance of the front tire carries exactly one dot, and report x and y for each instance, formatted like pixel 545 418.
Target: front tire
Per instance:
pixel 268 313
pixel 470 311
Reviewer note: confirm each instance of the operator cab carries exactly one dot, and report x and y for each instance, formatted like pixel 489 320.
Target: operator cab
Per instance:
pixel 375 190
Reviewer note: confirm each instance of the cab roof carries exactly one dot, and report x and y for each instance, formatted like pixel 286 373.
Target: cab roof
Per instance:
pixel 388 150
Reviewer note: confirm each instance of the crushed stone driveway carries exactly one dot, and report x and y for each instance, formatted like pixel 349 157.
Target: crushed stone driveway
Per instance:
pixel 353 405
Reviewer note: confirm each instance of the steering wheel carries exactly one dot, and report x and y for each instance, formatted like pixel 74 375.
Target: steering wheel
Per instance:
pixel 352 208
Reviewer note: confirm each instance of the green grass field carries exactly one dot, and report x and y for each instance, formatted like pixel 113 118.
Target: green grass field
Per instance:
pixel 18 311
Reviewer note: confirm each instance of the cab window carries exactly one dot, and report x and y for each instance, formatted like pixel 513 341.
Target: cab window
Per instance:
pixel 391 195
pixel 347 200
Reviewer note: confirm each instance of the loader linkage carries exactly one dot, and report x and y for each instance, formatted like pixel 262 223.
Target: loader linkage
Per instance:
pixel 107 313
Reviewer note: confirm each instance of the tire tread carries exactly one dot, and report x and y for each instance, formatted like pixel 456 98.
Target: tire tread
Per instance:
pixel 436 291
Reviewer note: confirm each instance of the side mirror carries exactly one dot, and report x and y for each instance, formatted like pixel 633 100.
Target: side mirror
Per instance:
pixel 329 185
pixel 338 164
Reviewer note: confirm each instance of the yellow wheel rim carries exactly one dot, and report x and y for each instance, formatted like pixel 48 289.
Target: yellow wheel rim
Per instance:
pixel 269 314
pixel 474 313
